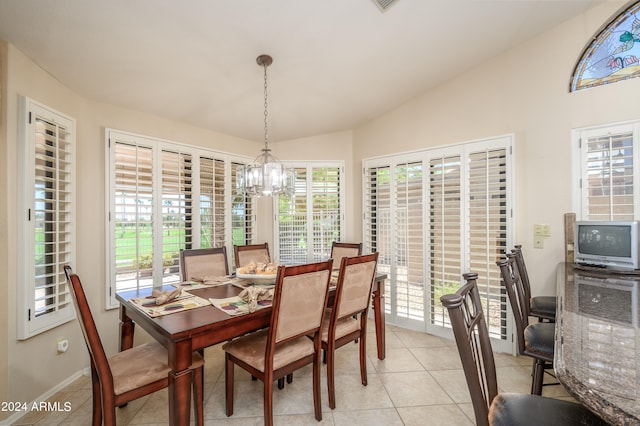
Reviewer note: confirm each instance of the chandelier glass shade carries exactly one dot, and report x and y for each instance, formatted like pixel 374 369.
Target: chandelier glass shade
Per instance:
pixel 267 176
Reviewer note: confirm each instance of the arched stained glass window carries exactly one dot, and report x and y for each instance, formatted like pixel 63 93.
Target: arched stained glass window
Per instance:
pixel 613 53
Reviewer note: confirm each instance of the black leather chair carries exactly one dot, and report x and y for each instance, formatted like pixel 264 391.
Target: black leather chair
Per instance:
pixel 534 340
pixel 541 307
pixel 490 407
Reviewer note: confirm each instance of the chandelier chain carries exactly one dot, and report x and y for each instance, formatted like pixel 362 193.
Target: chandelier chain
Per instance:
pixel 266 104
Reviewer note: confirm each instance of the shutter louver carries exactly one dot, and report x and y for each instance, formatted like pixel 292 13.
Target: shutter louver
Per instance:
pixel 51 216
pixel 177 210
pixel 133 215
pixel 47 227
pixel 310 218
pixel 445 231
pixel 212 207
pixel 408 240
pixel 487 234
pixel 609 177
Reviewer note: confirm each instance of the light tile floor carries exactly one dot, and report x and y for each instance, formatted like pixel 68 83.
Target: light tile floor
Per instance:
pixel 419 383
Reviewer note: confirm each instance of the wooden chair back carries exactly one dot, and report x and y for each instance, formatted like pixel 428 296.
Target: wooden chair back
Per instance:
pixel 299 300
pixel 258 253
pixel 354 285
pixel 89 330
pixel 472 338
pixel 340 250
pixel 206 262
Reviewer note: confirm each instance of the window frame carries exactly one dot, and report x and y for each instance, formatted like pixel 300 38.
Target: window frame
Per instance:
pixel 579 170
pixel 325 249
pixel 465 151
pixel 29 323
pixel 158 147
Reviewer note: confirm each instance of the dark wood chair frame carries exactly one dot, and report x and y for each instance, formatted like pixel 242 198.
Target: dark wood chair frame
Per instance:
pixel 532 338
pixel 186 253
pixel 269 375
pixel 105 399
pixel 237 250
pixel 472 338
pixel 549 301
pixel 332 343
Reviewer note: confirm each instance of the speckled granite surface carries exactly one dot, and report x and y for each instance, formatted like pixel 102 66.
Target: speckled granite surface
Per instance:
pixel 597 354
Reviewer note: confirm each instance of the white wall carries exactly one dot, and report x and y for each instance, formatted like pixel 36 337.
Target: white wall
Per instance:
pixel 522 91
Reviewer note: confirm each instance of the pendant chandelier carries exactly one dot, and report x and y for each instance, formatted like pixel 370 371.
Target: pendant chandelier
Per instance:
pixel 267 176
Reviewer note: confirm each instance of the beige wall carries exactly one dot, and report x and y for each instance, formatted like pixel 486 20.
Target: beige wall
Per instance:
pixel 525 92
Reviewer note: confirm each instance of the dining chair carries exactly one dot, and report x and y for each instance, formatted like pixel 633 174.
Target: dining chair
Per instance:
pixel 258 253
pixel 474 346
pixel 535 340
pixel 127 375
pixel 196 264
pixel 340 250
pixel 346 320
pixel 541 307
pixel 299 301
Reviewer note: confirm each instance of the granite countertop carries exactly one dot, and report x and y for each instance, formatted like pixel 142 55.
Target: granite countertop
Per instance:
pixel 597 354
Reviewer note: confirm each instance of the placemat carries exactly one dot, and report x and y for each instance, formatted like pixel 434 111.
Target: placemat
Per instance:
pixel 183 303
pixel 236 306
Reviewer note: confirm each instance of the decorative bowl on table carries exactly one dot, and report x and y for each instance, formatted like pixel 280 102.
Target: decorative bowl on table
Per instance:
pixel 258 278
pixel 258 273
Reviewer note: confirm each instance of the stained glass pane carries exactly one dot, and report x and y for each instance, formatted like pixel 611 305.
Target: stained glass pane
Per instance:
pixel 613 54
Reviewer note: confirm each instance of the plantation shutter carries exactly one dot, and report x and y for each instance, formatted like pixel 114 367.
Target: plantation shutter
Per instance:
pixel 327 215
pixel 48 241
pixel 242 208
pixel 377 236
pixel 132 214
pixel 409 242
pixel 177 209
pixel 309 219
pixel 487 213
pixel 165 197
pixel 445 231
pixel 212 203
pixel 432 223
pixel 609 183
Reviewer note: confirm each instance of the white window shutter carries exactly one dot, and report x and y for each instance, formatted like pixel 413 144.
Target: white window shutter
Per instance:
pixel 47 228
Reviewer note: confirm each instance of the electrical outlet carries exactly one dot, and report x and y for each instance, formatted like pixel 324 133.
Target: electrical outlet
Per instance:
pixel 546 230
pixel 538 242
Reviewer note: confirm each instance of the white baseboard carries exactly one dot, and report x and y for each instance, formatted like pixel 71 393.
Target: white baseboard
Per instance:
pixel 48 394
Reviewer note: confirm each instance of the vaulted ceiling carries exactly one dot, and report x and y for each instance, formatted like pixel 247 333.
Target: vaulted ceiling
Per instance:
pixel 337 63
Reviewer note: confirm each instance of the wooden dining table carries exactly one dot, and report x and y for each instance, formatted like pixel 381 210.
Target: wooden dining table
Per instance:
pixel 195 329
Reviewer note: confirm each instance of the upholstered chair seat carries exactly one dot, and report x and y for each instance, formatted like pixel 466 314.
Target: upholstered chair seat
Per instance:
pixel 539 339
pixel 543 307
pixel 511 409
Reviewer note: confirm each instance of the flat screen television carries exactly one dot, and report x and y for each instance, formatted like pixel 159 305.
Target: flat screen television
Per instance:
pixel 607 244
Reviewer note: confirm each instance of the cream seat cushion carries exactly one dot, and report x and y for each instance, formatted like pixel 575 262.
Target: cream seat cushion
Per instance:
pixel 343 327
pixel 251 349
pixel 141 365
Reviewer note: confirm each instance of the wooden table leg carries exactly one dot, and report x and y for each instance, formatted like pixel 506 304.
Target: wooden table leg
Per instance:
pixel 127 328
pixel 378 310
pixel 180 383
